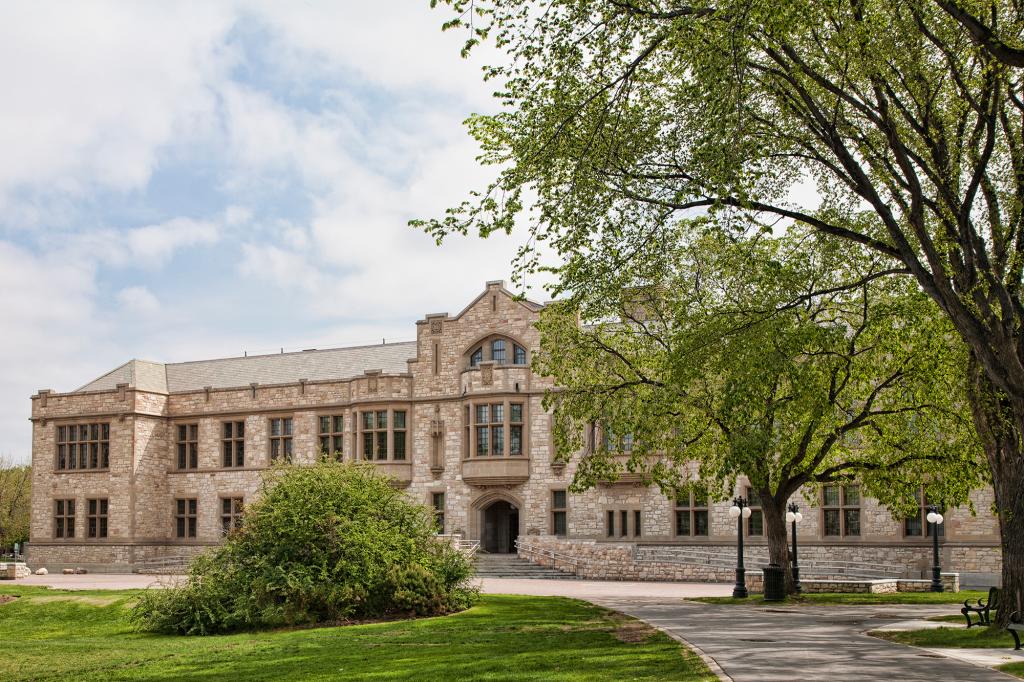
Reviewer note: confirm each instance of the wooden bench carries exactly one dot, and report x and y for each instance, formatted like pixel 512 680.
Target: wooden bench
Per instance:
pixel 983 609
pixel 1016 626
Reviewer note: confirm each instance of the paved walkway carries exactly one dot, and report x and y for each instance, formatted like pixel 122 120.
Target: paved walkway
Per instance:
pixel 803 644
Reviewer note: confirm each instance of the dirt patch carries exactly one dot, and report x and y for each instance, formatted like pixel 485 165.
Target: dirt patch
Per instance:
pixel 634 632
pixel 90 600
pixel 4 598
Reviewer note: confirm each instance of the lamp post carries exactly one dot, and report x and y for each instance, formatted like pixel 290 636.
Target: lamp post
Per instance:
pixel 794 517
pixel 739 511
pixel 935 519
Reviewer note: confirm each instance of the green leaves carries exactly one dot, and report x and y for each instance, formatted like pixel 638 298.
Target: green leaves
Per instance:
pixel 321 544
pixel 788 360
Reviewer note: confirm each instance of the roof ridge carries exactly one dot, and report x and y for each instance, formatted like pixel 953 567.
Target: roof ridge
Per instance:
pixel 294 352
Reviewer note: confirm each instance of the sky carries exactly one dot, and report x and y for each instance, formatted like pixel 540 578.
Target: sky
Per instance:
pixel 182 181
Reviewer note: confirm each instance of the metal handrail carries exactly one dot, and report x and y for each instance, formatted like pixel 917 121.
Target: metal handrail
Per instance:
pixel 527 548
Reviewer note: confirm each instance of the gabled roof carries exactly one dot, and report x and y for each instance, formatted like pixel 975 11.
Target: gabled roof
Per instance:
pixel 278 368
pixel 141 374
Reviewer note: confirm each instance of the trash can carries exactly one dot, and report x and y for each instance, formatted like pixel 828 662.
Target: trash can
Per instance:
pixel 774 583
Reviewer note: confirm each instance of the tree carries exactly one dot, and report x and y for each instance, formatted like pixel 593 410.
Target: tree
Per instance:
pixel 620 117
pixel 724 359
pixel 15 502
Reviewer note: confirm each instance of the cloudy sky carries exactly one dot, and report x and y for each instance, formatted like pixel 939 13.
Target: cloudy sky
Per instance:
pixel 182 181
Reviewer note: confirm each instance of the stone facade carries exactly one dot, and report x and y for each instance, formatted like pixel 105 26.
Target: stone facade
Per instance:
pixel 438 384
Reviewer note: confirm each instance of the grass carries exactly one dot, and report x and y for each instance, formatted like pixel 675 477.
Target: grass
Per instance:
pixel 83 635
pixel 854 599
pixel 957 638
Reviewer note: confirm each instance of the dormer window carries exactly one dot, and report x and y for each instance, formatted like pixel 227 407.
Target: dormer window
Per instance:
pixel 477 357
pixel 518 355
pixel 498 351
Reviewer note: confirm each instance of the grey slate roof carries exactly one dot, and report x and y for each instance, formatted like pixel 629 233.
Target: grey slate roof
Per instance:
pixel 313 365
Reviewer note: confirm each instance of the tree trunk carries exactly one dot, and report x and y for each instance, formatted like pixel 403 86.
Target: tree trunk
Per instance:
pixel 774 511
pixel 999 421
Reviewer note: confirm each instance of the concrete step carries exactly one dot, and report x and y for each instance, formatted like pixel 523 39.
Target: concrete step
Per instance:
pixel 511 566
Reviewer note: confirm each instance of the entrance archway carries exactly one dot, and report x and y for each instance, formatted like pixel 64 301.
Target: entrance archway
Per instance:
pixel 500 527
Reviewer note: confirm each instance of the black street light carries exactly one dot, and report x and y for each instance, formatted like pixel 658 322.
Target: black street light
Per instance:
pixel 794 517
pixel 739 511
pixel 935 520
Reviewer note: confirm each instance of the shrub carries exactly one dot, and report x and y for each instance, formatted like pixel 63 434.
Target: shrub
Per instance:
pixel 324 543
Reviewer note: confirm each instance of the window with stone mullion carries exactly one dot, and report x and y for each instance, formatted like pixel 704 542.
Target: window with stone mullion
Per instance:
pixel 188 446
pixel 376 428
pixel 280 439
pixel 840 510
pixel 692 515
pixel 83 446
pixel 64 518
pixel 332 436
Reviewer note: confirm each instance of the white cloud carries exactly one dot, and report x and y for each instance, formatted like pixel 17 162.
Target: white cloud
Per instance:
pixel 100 96
pixel 93 90
pixel 138 300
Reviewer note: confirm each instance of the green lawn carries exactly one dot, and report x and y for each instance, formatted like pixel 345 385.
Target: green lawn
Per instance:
pixel 843 598
pixel 63 635
pixel 958 638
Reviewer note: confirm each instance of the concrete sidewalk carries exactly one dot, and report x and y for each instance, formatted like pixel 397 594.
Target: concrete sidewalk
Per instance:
pixel 803 643
pixel 594 590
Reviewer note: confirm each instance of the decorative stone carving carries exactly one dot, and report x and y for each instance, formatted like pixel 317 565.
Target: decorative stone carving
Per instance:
pixel 436 326
pixel 487 374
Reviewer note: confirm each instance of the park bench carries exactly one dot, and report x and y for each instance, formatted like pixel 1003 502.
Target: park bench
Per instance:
pixel 1016 625
pixel 983 609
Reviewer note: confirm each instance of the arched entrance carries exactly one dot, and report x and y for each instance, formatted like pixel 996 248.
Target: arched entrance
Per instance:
pixel 500 527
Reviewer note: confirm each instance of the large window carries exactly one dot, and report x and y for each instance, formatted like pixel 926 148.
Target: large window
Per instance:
pixel 559 513
pixel 185 517
pixel 437 502
pixel 96 518
pixel 332 436
pixel 83 446
pixel 755 524
pixel 64 519
pixel 231 513
pixel 500 351
pixel 188 446
pixel 497 429
pixel 840 507
pixel 375 426
pixel 916 525
pixel 233 444
pixel 281 439
pixel 692 514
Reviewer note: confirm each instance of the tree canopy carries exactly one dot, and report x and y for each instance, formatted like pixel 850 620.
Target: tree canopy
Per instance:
pixel 757 359
pixel 892 125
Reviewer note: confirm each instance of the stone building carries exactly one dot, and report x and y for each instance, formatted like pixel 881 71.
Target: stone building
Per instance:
pixel 154 460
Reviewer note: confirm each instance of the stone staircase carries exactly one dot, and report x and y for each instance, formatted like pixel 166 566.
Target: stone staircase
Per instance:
pixel 511 566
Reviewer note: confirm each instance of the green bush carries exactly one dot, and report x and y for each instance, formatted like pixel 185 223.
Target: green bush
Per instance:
pixel 324 543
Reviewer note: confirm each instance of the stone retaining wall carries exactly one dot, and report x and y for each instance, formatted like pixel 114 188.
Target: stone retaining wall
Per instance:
pixel 616 561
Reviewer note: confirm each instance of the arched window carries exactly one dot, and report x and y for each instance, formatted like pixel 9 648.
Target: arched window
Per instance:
pixel 518 354
pixel 477 357
pixel 498 351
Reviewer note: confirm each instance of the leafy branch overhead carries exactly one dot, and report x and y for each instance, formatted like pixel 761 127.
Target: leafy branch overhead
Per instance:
pixel 786 360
